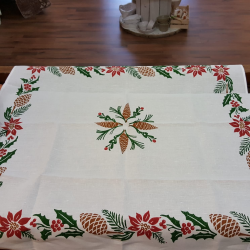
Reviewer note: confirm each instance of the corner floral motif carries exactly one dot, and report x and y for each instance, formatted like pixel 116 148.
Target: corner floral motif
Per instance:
pixel 124 137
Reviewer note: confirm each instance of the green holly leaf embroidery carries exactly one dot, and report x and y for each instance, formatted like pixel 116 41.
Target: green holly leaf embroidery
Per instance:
pixel 232 111
pixel 241 109
pixel 66 219
pixel 98 72
pixel 237 96
pixel 176 235
pixel 178 72
pixel 70 233
pixel 227 99
pixel 173 220
pixel 20 90
pixel 163 73
pixel 83 71
pixel 45 234
pixel 122 237
pixel 34 81
pixel 24 80
pixel 1 234
pixel 43 219
pixel 10 144
pixel 7 114
pixel 7 157
pixel 197 221
pixel 202 236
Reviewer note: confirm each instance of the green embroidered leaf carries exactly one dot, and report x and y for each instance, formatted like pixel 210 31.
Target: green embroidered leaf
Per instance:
pixel 176 235
pixel 178 72
pixel 122 237
pixel 232 111
pixel 11 143
pixel 35 81
pixel 133 72
pixel 197 221
pixel 45 234
pixel 158 236
pixel 230 83
pixel 163 73
pixel 28 234
pixel 20 90
pixel 70 234
pixel 246 119
pixel 7 114
pixel 220 87
pixel 3 132
pixel 209 68
pixel 43 219
pixel 244 146
pixel 227 99
pixel 173 220
pixel 1 233
pixel 21 110
pixel 243 219
pixel 1 144
pixel 55 71
pixel 202 236
pixel 83 71
pixel 65 218
pixel 237 96
pixel 241 109
pixel 117 223
pixel 33 89
pixel 98 72
pixel 243 239
pixel 7 157
pixel 24 80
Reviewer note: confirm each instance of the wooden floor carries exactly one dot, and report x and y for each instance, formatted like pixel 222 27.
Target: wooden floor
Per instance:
pixel 87 32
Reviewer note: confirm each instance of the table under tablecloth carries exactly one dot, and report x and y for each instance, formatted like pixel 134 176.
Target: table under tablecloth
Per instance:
pixel 125 158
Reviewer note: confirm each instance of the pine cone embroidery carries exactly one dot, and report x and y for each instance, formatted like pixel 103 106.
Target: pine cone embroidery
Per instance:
pixel 123 141
pixel 2 170
pixel 21 101
pixel 126 112
pixel 67 70
pixel 95 224
pixel 144 126
pixel 146 71
pixel 248 159
pixel 226 226
pixel 108 124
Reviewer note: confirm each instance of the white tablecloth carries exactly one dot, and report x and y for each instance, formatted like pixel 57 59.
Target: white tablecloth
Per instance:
pixel 118 162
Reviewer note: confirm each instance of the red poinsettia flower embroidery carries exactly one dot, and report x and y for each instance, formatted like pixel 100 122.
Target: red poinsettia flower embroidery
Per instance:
pixel 89 68
pixel 27 87
pixel 168 69
pixel 221 72
pixel 241 127
pixel 3 152
pixel 14 225
pixel 115 70
pixel 144 225
pixel 12 126
pixel 36 68
pixel 196 69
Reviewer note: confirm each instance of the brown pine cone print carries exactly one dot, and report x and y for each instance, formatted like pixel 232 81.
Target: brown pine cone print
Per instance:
pixel 226 226
pixel 21 101
pixel 67 70
pixel 146 71
pixel 126 112
pixel 108 124
pixel 248 159
pixel 144 126
pixel 2 170
pixel 123 141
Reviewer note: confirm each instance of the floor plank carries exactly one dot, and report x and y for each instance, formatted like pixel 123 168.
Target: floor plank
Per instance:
pixel 88 33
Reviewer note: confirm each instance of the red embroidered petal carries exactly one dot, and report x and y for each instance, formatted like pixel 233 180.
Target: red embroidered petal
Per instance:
pixel 8 132
pixel 29 68
pixel 247 128
pixel 237 130
pixel 242 133
pixel 226 69
pixel 122 70
pixel 18 215
pixel 13 132
pixel 18 127
pixel 42 68
pixel 33 71
pixel 118 73
pixel 23 221
pixel 226 73
pixel 138 217
pixel 199 72
pixel 113 73
pixel 146 216
pixel 4 229
pixel 11 120
pixel 23 229
pixel 10 216
pixel 155 229
pixel 154 220
pixel 5 128
pixel 203 70
pixel 109 71
pixel 216 74
pixel 215 70
pixel 134 221
pixel 39 71
pixel 219 77
pixel 149 234
pixel 10 233
pixel 140 232
pixel 4 222
pixel 190 71
pixel 133 228
pixel 195 73
pixel 224 77
pixel 234 124
pixel 18 234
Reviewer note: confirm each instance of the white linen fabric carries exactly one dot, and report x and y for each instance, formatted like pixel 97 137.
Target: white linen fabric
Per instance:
pixel 183 185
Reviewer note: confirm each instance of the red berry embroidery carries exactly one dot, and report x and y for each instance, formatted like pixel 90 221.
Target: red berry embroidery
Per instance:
pixel 154 141
pixel 99 114
pixel 32 223
pixel 57 225
pixel 187 228
pixel 142 108
pixel 106 148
